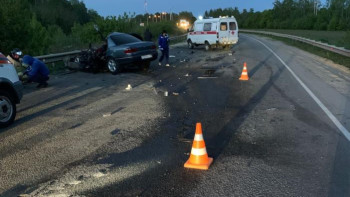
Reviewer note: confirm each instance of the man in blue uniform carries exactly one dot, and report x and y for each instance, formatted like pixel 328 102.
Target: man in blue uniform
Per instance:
pixel 163 42
pixel 36 71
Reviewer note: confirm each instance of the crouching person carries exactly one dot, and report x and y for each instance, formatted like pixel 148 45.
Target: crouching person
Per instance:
pixel 36 71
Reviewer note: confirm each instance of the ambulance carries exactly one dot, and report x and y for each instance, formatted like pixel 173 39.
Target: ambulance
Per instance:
pixel 213 32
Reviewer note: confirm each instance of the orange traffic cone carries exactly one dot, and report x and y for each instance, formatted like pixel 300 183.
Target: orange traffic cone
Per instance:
pixel 244 76
pixel 199 157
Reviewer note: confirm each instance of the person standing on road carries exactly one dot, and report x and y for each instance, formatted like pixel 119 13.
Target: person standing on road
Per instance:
pixel 147 35
pixel 36 71
pixel 163 42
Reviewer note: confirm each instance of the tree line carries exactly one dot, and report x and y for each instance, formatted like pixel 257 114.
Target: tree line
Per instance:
pixel 36 25
pixel 334 15
pixel 39 27
pixel 44 26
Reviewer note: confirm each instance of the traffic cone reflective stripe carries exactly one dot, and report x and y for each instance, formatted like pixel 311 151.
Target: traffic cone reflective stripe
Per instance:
pixel 244 76
pixel 199 157
pixel 198 137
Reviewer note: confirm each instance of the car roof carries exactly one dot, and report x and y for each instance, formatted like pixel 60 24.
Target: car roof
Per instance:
pixel 213 20
pixel 115 34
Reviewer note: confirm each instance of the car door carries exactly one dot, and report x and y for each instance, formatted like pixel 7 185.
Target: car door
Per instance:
pixel 197 38
pixel 233 33
pixel 7 70
pixel 223 32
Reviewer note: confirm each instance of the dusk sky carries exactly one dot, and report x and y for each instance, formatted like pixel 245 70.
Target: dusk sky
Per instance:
pixel 197 7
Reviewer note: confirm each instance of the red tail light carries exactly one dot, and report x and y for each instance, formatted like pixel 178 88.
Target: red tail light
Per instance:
pixel 4 60
pixel 153 47
pixel 132 50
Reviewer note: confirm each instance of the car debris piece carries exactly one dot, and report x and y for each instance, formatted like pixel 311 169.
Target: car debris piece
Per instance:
pixel 129 87
pixel 75 182
pixel 175 94
pixel 155 91
pixel 99 175
pixel 107 115
pixel 171 56
pixel 271 109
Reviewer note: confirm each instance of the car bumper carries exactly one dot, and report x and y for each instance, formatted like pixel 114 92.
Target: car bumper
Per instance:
pixel 19 90
pixel 137 59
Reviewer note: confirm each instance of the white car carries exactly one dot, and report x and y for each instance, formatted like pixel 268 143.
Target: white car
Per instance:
pixel 221 31
pixel 10 91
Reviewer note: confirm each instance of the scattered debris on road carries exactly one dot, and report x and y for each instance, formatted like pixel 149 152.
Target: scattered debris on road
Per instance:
pixel 207 77
pixel 99 175
pixel 129 87
pixel 271 109
pixel 184 60
pixel 107 115
pixel 155 90
pixel 75 182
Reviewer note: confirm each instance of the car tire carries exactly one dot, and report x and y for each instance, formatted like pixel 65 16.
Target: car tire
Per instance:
pixel 190 44
pixel 226 47
pixel 113 66
pixel 207 46
pixel 7 109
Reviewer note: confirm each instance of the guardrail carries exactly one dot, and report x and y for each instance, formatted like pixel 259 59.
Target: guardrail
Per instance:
pixel 178 37
pixel 52 58
pixel 334 49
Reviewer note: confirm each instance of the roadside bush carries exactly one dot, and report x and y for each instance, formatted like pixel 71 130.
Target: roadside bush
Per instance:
pixel 39 38
pixel 60 42
pixel 347 40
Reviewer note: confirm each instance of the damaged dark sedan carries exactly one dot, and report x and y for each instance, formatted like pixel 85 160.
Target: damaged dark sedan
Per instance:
pixel 125 50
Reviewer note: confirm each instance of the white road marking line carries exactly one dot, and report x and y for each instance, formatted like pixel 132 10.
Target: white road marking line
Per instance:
pixel 207 77
pixel 342 129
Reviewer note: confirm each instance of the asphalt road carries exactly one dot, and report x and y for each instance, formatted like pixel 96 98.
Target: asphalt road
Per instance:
pixel 86 135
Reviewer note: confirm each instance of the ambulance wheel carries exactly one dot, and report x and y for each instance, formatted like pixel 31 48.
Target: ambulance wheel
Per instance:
pixel 226 47
pixel 190 44
pixel 207 46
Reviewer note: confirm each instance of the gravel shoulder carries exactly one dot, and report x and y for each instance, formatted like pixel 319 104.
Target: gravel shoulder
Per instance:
pixel 79 117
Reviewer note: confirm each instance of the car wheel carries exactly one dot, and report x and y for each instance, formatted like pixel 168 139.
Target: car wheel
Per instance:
pixel 207 46
pixel 113 66
pixel 190 44
pixel 7 109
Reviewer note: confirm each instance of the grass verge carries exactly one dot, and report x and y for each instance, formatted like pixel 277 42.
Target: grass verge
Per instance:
pixel 337 38
pixel 56 68
pixel 336 58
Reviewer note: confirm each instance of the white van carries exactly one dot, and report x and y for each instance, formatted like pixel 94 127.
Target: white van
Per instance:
pixel 221 31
